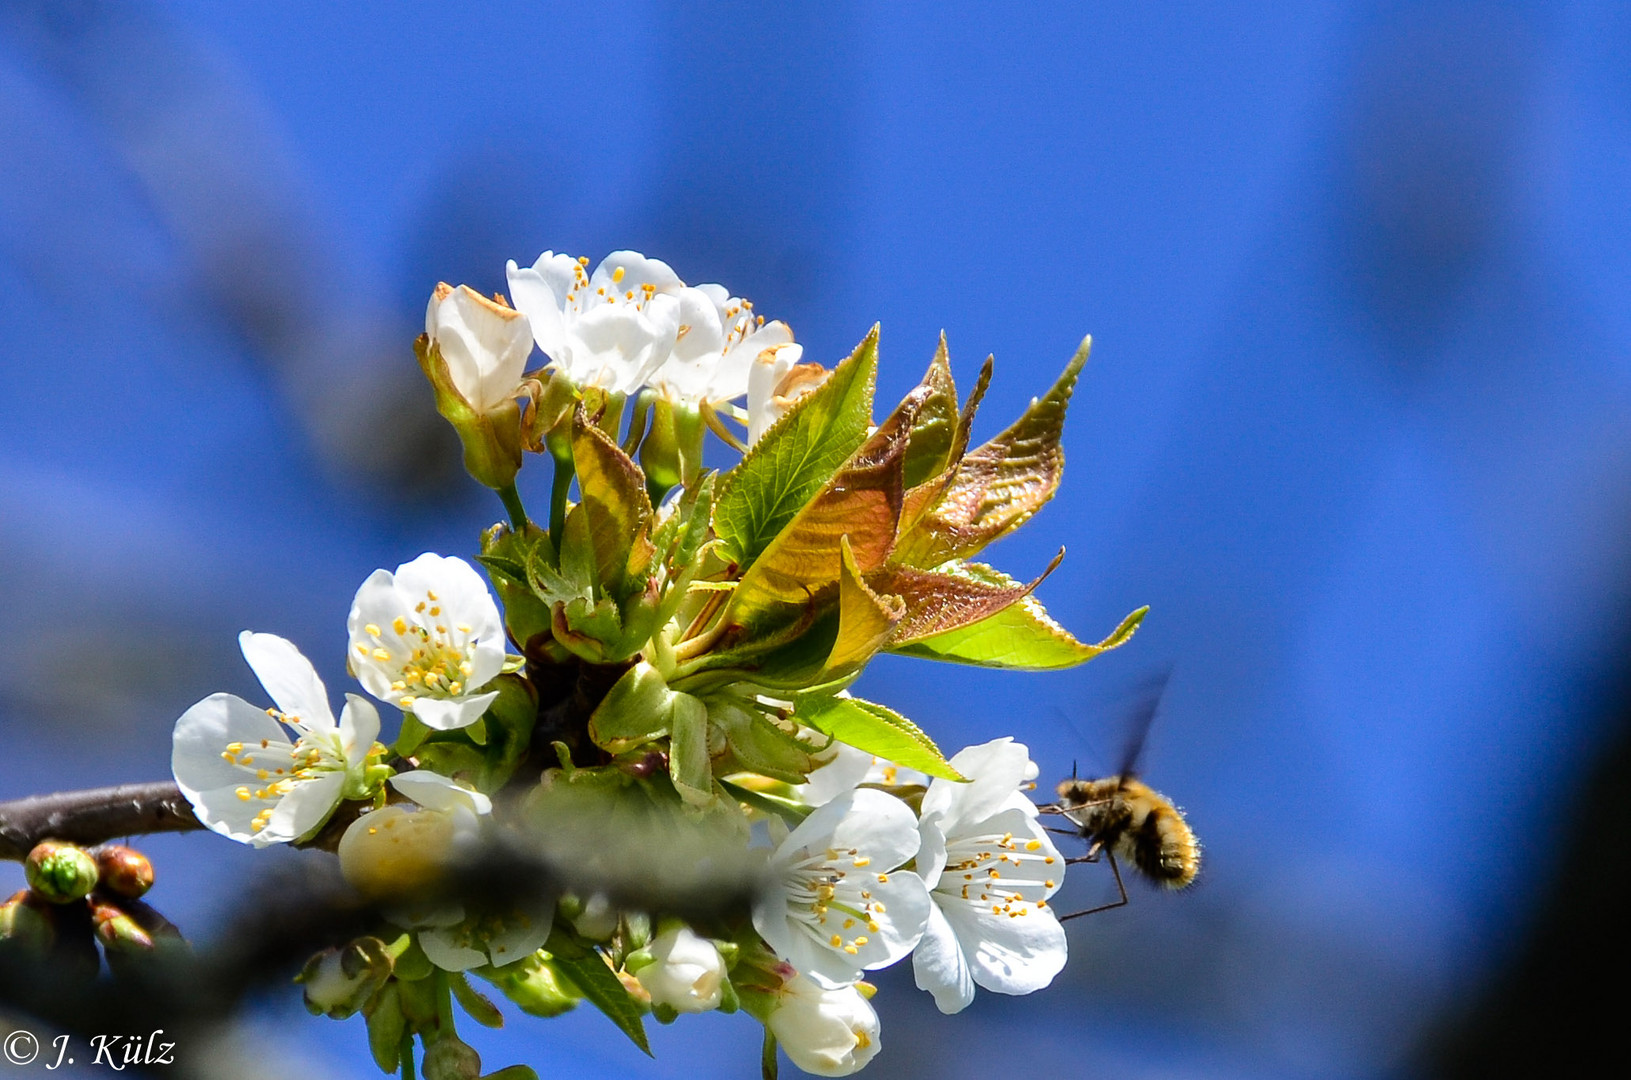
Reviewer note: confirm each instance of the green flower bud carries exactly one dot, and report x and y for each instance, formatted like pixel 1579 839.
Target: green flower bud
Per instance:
pixel 340 981
pixel 60 873
pixel 449 1058
pixel 26 922
pixel 116 930
pixel 124 870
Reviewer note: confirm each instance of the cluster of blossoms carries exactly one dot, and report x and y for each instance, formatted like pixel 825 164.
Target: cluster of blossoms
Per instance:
pixel 657 722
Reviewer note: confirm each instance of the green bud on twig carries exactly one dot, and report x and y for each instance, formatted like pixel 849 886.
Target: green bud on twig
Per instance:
pixel 124 870
pixel 60 873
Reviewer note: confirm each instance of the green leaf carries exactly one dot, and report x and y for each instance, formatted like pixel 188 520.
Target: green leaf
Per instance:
pixel 616 509
pixel 1021 636
pixel 582 965
pixel 996 487
pixel 877 730
pixel 790 463
pixel 948 598
pixel 935 428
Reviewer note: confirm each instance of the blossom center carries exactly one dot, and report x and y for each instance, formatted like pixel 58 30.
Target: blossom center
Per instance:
pixel 998 873
pixel 432 658
pixel 831 902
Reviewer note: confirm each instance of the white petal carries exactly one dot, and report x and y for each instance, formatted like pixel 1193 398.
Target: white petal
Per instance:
pixel 211 783
pixel 938 966
pixel 533 292
pixel 302 810
pixel 524 933
pixel 931 852
pixel 878 825
pixel 289 679
pixel 637 271
pixel 995 770
pixel 450 714
pixel 1007 954
pixel 359 727
pixel 460 591
pixel 445 951
pixel 434 791
pixel 376 604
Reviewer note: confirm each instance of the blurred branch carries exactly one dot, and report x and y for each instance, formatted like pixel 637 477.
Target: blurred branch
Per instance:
pixel 93 816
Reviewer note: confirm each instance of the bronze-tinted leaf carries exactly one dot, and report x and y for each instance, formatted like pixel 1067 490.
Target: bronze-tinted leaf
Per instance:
pixel 616 507
pixel 947 598
pixel 997 486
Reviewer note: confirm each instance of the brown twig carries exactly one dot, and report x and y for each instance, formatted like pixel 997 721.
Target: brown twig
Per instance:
pixel 93 816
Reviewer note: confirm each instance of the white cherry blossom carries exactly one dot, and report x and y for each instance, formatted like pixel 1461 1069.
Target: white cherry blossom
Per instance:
pixel 427 639
pixel 246 779
pixel 609 329
pixel 834 903
pixel 825 1031
pixel 990 868
pixel 484 344
pixel 718 339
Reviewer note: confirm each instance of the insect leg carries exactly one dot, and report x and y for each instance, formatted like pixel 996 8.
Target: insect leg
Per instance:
pixel 1111 856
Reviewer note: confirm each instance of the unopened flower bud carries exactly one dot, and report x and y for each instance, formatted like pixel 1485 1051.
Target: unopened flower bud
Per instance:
pixel 116 930
pixel 396 852
pixel 825 1032
pixel 686 972
pixel 449 1058
pixel 340 981
pixel 597 920
pixel 124 870
pixel 60 873
pixel 27 922
pixel 472 353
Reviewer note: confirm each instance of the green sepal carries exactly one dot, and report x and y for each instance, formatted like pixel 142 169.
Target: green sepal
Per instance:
pixel 689 764
pixel 386 1027
pixel 581 964
pixel 877 730
pixel 758 745
pixel 474 1002
pixel 783 471
pixel 533 985
pixel 636 710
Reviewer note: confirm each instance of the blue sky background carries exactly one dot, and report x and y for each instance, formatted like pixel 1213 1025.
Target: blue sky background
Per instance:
pixel 1354 424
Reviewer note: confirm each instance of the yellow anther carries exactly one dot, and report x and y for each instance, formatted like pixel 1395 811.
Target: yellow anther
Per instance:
pixel 1047 884
pixel 419 607
pixel 1048 861
pixel 435 611
pixel 455 687
pixel 863 860
pixel 243 793
pixel 836 941
pixel 226 755
pixel 372 630
pixel 1034 845
pixel 872 927
pixel 262 774
pixel 382 655
pixel 883 878
pixel 235 747
pixel 431 596
pixel 463 628
pixel 400 625
pixel 879 908
pixel 860 941
pixel 851 949
pixel 617 275
pixel 362 650
pixel 406 702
